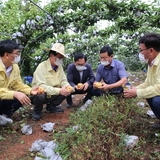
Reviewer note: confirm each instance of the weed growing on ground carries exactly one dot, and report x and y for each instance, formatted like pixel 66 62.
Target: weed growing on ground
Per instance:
pixel 98 132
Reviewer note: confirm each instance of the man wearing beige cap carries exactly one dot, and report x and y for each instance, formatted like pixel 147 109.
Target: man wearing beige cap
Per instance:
pixel 50 75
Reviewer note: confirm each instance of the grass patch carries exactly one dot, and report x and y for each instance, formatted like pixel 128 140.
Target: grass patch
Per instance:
pixel 98 132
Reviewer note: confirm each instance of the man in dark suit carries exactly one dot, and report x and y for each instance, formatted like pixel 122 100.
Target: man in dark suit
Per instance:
pixel 80 76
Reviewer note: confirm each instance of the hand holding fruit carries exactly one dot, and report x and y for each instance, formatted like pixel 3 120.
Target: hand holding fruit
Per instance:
pixel 37 90
pixel 79 86
pixel 97 85
pixel 69 89
pixel 126 86
pixel 41 90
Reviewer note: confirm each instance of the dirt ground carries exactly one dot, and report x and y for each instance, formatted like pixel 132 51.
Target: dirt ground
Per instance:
pixel 16 145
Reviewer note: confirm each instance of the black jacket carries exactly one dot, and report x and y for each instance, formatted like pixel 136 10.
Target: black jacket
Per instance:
pixel 73 75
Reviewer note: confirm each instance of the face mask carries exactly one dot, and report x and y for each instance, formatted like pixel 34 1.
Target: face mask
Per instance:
pixel 81 68
pixel 142 59
pixel 59 61
pixel 105 63
pixel 16 59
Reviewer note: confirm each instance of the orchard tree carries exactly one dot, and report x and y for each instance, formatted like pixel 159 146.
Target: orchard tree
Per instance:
pixel 77 24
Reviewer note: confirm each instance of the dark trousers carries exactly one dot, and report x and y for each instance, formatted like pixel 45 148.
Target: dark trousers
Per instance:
pixel 88 95
pixel 98 92
pixel 41 99
pixel 155 105
pixel 8 107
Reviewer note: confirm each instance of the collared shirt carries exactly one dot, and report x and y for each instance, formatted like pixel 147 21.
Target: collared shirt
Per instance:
pixel 81 75
pixel 52 81
pixel 152 63
pixel 55 68
pixel 111 75
pixel 8 70
pixel 151 86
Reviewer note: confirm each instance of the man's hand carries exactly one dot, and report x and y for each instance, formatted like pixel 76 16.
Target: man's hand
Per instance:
pixel 24 99
pixel 79 86
pixel 97 85
pixel 37 90
pixel 130 93
pixel 85 86
pixel 105 87
pixel 65 91
pixel 102 86
pixel 82 87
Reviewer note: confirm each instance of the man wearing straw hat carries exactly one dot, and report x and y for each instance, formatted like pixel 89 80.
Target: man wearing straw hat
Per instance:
pixel 50 75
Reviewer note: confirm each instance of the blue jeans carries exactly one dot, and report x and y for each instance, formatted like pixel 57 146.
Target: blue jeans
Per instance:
pixel 155 105
pixel 8 107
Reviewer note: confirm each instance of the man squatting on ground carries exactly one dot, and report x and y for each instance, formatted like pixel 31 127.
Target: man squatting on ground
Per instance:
pixel 111 72
pixel 13 92
pixel 50 75
pixel 149 46
pixel 80 76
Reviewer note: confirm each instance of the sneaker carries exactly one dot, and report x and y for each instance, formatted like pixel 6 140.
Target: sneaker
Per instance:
pixel 54 109
pixel 4 120
pixel 36 116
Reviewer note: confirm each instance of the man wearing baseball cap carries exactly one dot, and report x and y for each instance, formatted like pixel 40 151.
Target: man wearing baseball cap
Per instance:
pixel 50 75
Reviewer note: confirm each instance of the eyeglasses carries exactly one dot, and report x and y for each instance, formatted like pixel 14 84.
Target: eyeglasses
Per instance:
pixel 13 55
pixel 143 49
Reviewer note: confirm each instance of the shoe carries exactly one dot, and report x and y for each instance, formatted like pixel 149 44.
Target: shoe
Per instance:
pixel 36 116
pixel 54 109
pixel 4 120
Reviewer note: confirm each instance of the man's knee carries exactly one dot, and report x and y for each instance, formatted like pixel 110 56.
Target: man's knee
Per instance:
pixel 38 98
pixel 96 92
pixel 156 101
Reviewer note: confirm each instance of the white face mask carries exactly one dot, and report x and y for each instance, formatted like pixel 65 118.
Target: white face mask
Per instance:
pixel 17 59
pixel 59 61
pixel 81 68
pixel 105 63
pixel 142 59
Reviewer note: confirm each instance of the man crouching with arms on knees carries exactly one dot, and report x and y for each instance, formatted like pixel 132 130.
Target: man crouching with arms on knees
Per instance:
pixel 50 75
pixel 13 92
pixel 149 46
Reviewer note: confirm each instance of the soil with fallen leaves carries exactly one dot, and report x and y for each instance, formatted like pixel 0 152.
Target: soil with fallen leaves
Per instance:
pixel 14 145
